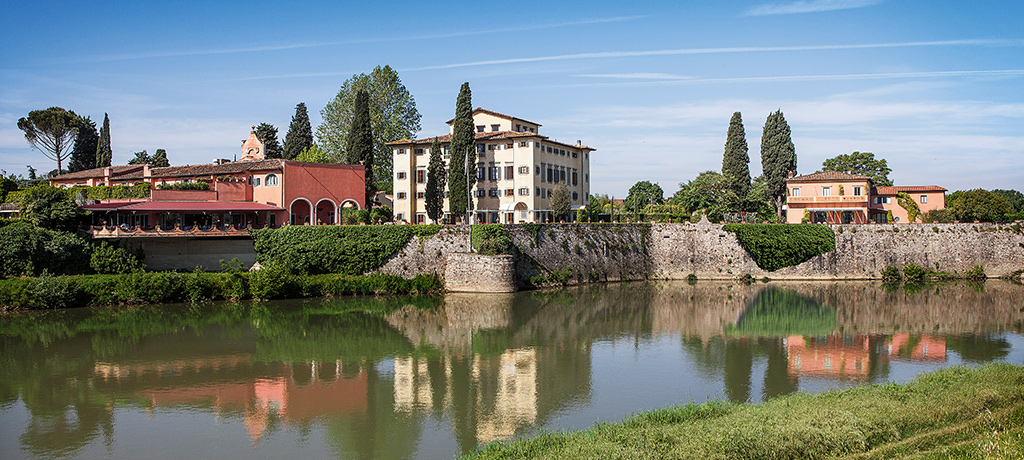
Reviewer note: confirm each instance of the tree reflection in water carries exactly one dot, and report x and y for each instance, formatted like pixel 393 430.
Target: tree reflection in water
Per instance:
pixel 374 375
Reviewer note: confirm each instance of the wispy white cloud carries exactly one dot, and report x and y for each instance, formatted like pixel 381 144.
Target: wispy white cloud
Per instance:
pixel 809 6
pixel 742 49
pixel 643 80
pixel 293 46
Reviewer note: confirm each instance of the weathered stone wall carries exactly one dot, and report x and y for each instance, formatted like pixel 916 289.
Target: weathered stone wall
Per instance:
pixel 428 256
pixel 465 272
pixel 580 253
pixel 183 253
pixel 862 251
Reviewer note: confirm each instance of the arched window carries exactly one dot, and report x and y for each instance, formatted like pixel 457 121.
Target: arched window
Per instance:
pixel 271 180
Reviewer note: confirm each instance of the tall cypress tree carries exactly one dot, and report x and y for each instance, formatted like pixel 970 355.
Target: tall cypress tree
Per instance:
pixel 463 153
pixel 103 153
pixel 359 145
pixel 436 178
pixel 267 133
pixel 159 159
pixel 300 133
pixel 83 154
pixel 736 162
pixel 778 157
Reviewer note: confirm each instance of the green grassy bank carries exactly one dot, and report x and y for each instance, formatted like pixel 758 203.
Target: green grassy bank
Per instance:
pixel 957 413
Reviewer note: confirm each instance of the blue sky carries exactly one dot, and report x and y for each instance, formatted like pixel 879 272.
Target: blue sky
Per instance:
pixel 934 87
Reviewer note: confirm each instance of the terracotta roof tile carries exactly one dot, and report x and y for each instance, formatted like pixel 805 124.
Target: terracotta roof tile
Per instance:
pixel 98 172
pixel 908 188
pixel 827 175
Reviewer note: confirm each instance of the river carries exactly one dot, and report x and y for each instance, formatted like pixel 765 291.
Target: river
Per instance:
pixel 362 378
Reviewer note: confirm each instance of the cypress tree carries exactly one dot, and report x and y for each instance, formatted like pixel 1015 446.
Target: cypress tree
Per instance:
pixel 736 162
pixel 83 154
pixel 103 153
pixel 436 178
pixel 463 152
pixel 778 158
pixel 159 159
pixel 267 133
pixel 300 133
pixel 359 145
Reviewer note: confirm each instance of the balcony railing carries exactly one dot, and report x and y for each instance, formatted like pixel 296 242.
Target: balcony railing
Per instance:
pixel 128 231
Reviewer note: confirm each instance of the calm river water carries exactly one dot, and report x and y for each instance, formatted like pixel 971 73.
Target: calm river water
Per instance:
pixel 432 378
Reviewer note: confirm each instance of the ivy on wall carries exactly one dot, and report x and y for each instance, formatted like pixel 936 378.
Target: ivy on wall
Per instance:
pixel 908 203
pixel 778 246
pixel 350 250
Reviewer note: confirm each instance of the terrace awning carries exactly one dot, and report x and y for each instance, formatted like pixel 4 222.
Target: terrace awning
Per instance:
pixel 185 206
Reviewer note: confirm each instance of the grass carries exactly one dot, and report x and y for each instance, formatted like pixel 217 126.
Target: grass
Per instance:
pixel 953 413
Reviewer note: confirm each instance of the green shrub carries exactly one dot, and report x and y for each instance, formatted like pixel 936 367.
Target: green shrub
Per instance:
pixel 775 246
pixel 691 278
pixel 382 214
pixel 184 186
pixel 892 274
pixel 27 250
pixel 351 250
pixel 490 239
pixel 158 287
pixel 107 259
pixel 976 273
pixel 269 282
pixel 49 291
pixel 913 272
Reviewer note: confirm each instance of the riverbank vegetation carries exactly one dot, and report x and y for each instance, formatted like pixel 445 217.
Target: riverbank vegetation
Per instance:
pixel 952 413
pixel 350 250
pixel 778 246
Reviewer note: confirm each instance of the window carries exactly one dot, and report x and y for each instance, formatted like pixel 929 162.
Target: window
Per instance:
pixel 549 149
pixel 796 191
pixel 561 174
pixel 575 196
pixel 255 181
pixel 400 151
pixel 480 148
pixel 524 170
pixel 524 144
pixel 561 152
pixel 479 128
pixel 493 193
pixel 587 176
pixel 509 145
pixel 574 154
pixel 270 180
pixel 575 177
pixel 419 195
pixel 480 193
pixel 495 128
pixel 400 217
pixel 419 151
pixel 421 218
pixel 550 174
pixel 480 173
pixel 510 192
pixel 509 171
pixel 857 191
pixel 401 175
pixel 924 199
pixel 421 176
pixel 518 127
pixel 492 146
pixel 826 191
pixel 401 195
pixel 538 169
pixel 447 150
pixel 494 173
pixel 538 192
pixel 524 192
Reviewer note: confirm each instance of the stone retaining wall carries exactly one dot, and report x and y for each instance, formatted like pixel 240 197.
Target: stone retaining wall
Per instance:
pixel 465 272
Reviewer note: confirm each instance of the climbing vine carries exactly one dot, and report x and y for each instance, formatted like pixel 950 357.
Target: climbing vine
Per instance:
pixel 775 246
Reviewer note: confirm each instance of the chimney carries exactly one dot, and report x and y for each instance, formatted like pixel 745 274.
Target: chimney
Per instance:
pixel 791 174
pixel 147 173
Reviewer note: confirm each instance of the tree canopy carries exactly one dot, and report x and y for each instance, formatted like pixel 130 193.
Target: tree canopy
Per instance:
pixel 736 161
pixel 1014 197
pixel 778 158
pixel 141 158
pixel 709 191
pixel 104 155
pixel 642 194
pixel 561 201
pixel 436 179
pixel 314 154
pixel 159 159
pixel 49 207
pixel 267 133
pixel 978 205
pixel 83 155
pixel 359 148
pixel 861 163
pixel 51 131
pixel 300 133
pixel 393 116
pixel 463 154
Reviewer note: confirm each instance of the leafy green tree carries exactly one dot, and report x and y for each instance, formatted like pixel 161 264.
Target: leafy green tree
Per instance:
pixel 314 154
pixel 159 159
pixel 1014 197
pixel 561 201
pixel 393 116
pixel 436 180
pixel 83 155
pixel 463 154
pixel 778 158
pixel 978 205
pixel 104 155
pixel 359 149
pixel 861 163
pixel 300 133
pixel 759 201
pixel 709 192
pixel 141 158
pixel 52 132
pixel 267 133
pixel 50 207
pixel 642 194
pixel 736 161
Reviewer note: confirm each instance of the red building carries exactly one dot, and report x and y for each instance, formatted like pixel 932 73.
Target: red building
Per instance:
pixel 251 192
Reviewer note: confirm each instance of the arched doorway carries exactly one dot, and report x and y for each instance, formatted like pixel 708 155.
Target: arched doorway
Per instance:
pixel 348 211
pixel 325 212
pixel 301 212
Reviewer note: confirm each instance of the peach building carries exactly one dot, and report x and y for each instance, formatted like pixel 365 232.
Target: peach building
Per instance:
pixel 840 198
pixel 252 191
pixel 517 170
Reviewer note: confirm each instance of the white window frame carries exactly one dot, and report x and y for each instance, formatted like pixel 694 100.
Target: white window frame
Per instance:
pixel 271 180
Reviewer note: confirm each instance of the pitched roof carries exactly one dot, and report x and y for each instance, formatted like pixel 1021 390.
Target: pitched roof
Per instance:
pixel 214 206
pixel 827 175
pixel 488 136
pixel 908 188
pixel 116 171
pixel 497 114
pixel 130 172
